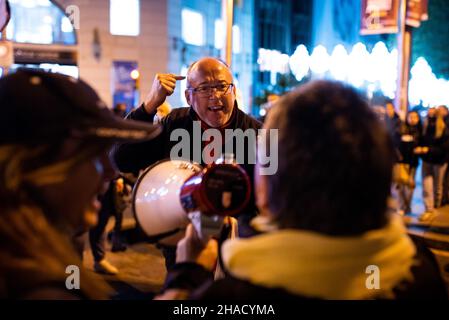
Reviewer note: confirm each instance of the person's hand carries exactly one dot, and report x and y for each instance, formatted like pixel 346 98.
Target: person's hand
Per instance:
pixel 192 249
pixel 164 85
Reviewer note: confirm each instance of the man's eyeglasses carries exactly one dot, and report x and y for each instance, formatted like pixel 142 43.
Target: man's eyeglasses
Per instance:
pixel 206 91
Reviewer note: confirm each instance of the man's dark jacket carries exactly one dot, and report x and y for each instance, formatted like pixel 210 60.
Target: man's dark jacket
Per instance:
pixel 135 157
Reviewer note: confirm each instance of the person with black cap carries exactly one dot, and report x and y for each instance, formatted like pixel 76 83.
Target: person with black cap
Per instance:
pixel 55 134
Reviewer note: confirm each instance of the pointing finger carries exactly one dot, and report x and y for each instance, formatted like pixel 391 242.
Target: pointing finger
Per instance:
pixel 179 77
pixel 169 81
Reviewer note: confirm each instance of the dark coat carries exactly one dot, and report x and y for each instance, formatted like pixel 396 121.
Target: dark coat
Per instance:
pixel 410 139
pixel 438 147
pixel 394 127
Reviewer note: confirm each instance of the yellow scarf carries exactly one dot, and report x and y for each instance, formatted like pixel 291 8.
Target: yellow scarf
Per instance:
pixel 319 266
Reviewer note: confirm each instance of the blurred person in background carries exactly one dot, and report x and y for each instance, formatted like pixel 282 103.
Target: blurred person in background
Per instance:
pixel 444 113
pixel 393 122
pixel 433 150
pixel 410 137
pixel 112 205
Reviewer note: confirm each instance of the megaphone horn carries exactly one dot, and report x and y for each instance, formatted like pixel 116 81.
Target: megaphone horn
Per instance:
pixel 170 193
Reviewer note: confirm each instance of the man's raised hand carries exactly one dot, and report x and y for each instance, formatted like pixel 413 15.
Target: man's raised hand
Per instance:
pixel 164 85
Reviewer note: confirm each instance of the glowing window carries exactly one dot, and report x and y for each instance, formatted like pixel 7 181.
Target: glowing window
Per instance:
pixel 124 17
pixel 219 34
pixel 236 39
pixel 192 27
pixel 183 87
pixel 40 22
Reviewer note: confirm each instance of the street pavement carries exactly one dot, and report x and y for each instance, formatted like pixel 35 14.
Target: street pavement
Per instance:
pixel 141 267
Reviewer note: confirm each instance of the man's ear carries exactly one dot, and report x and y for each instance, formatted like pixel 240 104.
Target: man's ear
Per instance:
pixel 188 97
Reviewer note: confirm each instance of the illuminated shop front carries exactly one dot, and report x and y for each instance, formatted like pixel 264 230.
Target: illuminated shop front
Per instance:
pixel 43 37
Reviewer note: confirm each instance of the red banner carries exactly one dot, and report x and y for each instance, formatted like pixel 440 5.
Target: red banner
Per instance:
pixel 379 16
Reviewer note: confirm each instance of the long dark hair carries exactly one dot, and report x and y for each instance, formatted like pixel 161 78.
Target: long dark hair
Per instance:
pixel 418 127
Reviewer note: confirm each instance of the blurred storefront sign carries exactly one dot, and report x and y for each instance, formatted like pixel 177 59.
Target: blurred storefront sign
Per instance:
pixel 29 55
pixel 41 36
pixel 379 16
pixel 382 16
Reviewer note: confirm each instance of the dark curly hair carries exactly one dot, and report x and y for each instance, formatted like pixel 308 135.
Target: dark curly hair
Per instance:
pixel 335 161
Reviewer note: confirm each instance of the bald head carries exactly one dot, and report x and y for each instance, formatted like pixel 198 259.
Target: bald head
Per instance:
pixel 205 66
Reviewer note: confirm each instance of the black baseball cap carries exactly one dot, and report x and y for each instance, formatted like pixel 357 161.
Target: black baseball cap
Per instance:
pixel 40 107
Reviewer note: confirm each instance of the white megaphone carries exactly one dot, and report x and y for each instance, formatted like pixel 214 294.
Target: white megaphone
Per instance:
pixel 172 193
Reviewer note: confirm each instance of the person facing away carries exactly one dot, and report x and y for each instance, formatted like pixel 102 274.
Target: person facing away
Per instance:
pixel 433 151
pixel 409 147
pixel 392 120
pixel 54 161
pixel 325 225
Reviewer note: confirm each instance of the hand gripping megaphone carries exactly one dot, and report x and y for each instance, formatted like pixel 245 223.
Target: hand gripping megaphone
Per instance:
pixel 172 193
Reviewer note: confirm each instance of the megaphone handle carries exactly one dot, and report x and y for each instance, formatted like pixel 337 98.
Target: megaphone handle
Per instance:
pixel 206 226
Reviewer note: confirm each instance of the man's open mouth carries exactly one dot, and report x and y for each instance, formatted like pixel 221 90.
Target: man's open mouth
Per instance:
pixel 215 108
